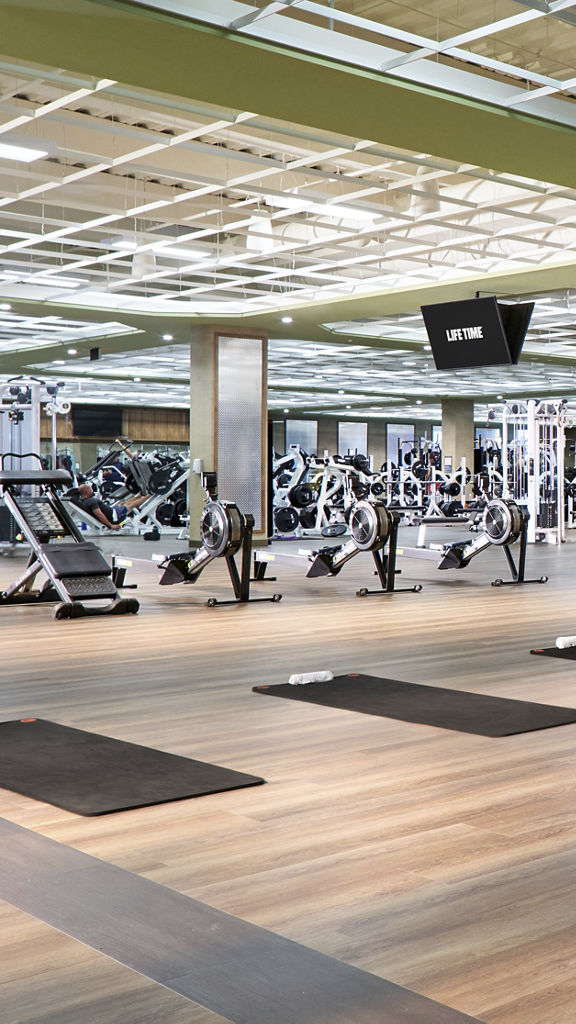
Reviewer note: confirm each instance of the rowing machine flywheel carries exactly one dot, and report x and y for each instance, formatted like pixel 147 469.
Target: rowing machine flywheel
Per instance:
pixel 502 521
pixel 369 525
pixel 221 528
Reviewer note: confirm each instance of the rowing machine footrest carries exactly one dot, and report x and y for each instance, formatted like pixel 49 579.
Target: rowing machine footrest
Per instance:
pixel 322 564
pixel 453 556
pixel 83 559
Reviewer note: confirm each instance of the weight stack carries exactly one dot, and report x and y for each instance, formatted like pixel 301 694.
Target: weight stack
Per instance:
pixel 547 517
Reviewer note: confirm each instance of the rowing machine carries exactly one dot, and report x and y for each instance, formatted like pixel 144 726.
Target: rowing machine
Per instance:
pixel 224 532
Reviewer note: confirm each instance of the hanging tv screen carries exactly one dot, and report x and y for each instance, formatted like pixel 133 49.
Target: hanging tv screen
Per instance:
pixel 96 420
pixel 476 332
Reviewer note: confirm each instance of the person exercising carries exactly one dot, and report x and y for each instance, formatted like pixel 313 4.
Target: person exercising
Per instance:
pixel 111 516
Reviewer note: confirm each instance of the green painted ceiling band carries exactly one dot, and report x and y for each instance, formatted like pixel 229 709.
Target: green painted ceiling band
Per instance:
pixel 110 40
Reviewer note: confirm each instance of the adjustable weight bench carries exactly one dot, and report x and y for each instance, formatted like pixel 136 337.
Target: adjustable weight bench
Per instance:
pixel 76 570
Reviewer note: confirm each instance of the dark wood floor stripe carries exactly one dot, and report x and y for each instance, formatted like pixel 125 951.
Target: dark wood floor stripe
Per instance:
pixel 239 970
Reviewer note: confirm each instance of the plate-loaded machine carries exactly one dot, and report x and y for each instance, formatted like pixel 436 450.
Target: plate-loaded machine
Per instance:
pixel 224 531
pixel 76 571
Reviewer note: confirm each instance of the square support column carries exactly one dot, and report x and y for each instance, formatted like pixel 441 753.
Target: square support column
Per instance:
pixel 458 432
pixel 228 420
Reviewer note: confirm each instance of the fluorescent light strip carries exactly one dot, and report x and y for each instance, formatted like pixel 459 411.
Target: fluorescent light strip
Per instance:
pixel 24 154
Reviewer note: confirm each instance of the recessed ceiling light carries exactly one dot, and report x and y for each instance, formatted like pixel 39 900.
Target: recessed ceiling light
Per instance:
pixel 348 406
pixel 418 401
pixel 5 306
pixel 137 379
pixel 500 398
pixel 286 410
pixel 72 351
pixel 286 319
pixel 57 282
pixel 25 154
pixel 179 252
pixel 60 362
pixel 408 363
pixel 167 337
pixel 340 391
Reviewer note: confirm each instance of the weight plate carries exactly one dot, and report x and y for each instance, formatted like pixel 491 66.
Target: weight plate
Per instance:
pixel 377 489
pixel 502 521
pixel 161 480
pixel 308 517
pixel 361 463
pixel 164 513
pixel 334 530
pixel 369 525
pixel 301 495
pixel 286 519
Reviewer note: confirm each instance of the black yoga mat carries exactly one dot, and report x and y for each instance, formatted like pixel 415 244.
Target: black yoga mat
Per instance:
pixel 91 774
pixel 556 652
pixel 427 705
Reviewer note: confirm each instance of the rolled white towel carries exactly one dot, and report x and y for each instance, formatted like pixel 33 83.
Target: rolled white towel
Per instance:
pixel 566 641
pixel 311 677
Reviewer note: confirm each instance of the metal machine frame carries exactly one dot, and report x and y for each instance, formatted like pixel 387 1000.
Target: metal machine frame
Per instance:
pixel 76 571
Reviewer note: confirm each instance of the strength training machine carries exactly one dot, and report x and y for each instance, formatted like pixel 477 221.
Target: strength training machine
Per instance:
pixel 76 570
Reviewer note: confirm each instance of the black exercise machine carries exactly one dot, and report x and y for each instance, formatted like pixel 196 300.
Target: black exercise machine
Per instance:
pixel 503 523
pixel 76 571
pixel 224 531
pixel 371 525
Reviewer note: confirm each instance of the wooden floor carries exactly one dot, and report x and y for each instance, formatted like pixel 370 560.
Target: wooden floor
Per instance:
pixel 443 862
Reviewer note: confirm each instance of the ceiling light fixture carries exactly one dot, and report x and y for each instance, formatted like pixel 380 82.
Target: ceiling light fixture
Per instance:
pixel 5 306
pixel 286 319
pixel 25 154
pixel 72 351
pixel 56 282
pixel 286 410
pixel 167 337
pixel 179 252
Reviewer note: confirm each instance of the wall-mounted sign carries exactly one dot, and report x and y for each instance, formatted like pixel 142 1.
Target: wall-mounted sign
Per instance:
pixel 476 332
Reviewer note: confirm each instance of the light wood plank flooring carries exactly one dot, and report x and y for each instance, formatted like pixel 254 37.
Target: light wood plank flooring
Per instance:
pixel 440 861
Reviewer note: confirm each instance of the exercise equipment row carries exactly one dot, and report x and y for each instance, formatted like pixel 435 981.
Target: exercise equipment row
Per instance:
pixel 373 525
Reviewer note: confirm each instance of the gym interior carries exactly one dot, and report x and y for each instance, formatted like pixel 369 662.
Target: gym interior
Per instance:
pixel 287 410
